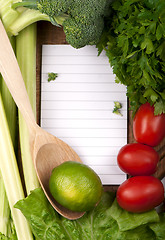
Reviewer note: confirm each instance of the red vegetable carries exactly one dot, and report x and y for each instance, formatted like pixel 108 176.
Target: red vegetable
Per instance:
pixel 140 194
pixel 148 128
pixel 137 159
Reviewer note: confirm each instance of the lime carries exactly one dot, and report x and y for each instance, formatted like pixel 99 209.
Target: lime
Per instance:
pixel 75 186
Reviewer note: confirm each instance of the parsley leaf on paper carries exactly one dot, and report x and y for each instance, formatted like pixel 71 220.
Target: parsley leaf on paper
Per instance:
pixel 107 221
pixel 134 41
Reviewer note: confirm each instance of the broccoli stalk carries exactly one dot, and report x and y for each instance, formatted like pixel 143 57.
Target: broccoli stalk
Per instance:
pixel 83 21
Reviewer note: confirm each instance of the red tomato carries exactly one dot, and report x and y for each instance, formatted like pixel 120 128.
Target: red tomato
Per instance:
pixel 148 128
pixel 140 194
pixel 137 159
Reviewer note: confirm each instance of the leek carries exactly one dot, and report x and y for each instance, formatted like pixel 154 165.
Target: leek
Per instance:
pixel 26 56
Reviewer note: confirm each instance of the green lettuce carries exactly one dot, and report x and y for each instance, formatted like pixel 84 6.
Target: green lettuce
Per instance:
pixel 159 228
pixel 127 220
pixel 107 221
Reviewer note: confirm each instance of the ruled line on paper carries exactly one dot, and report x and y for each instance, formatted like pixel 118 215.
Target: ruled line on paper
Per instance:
pixel 77 107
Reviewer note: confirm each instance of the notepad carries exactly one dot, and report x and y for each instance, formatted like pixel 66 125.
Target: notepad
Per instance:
pixel 77 107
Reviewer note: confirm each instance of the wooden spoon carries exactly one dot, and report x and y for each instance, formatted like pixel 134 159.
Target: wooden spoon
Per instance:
pixel 47 150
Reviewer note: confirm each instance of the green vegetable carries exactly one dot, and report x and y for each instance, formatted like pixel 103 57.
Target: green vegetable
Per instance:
pixel 10 107
pixel 11 177
pixel 4 209
pixel 52 76
pixel 6 224
pixel 117 107
pixel 107 221
pixel 16 20
pixel 134 41
pixel 83 21
pixel 26 57
pixel 11 187
pixel 159 228
pixel 79 35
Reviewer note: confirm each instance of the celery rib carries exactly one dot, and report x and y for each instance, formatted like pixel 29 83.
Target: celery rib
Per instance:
pixel 10 106
pixel 26 56
pixel 12 181
pixel 25 19
pixel 4 209
pixel 10 112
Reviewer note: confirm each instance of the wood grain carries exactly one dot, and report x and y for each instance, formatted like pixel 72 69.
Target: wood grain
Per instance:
pixel 49 34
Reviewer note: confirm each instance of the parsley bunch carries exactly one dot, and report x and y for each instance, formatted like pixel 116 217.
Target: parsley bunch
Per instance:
pixel 134 41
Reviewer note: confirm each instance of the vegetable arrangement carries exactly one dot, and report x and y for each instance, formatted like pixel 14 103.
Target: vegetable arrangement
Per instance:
pixel 107 221
pixel 82 21
pixel 14 224
pixel 142 192
pixel 134 41
pixel 133 38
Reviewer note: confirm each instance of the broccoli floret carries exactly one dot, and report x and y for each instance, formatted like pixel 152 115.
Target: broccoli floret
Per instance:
pixel 83 20
pixel 79 35
pixel 53 8
pixel 85 11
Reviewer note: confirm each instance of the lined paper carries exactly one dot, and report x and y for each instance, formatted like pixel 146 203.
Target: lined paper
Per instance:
pixel 77 107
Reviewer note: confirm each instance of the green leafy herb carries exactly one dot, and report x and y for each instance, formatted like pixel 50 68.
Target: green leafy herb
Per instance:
pixel 117 107
pixel 52 76
pixel 107 221
pixel 134 41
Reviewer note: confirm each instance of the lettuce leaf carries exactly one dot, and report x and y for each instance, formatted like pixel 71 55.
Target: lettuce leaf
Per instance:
pixel 159 228
pixel 127 220
pixel 107 221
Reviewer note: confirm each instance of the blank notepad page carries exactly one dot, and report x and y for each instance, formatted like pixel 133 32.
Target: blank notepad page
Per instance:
pixel 77 107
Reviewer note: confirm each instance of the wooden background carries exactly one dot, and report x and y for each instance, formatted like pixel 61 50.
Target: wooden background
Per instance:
pixel 49 34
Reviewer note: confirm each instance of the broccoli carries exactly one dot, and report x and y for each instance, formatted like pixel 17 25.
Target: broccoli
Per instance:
pixel 85 11
pixel 82 21
pixel 53 8
pixel 79 35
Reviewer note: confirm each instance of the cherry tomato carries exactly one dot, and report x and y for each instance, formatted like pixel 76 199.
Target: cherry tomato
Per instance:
pixel 140 194
pixel 137 159
pixel 147 127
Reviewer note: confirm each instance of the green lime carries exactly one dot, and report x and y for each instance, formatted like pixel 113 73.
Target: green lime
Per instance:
pixel 75 186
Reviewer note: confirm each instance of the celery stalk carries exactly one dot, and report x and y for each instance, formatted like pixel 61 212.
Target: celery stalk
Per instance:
pixel 10 112
pixel 6 222
pixel 4 209
pixel 11 177
pixel 26 56
pixel 10 106
pixel 25 19
pixel 17 19
pixel 8 15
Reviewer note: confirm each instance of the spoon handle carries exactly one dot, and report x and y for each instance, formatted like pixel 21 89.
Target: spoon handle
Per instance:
pixel 12 75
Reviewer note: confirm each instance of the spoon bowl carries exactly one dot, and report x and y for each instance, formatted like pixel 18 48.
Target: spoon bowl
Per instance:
pixel 47 150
